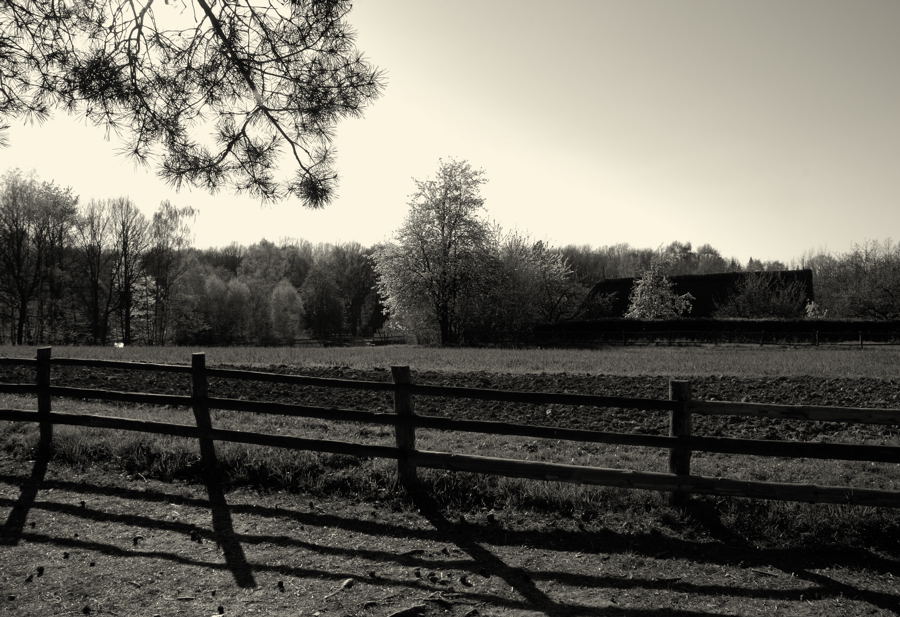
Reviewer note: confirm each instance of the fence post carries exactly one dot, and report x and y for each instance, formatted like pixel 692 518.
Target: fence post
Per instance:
pixel 680 426
pixel 405 430
pixel 200 405
pixel 860 339
pixel 43 399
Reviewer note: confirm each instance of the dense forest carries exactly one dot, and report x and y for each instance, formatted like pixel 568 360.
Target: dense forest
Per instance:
pixel 100 271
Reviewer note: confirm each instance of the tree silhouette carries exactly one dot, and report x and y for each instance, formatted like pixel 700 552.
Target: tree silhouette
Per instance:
pixel 35 220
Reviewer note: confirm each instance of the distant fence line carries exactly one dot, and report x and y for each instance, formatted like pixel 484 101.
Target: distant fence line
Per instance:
pixel 603 332
pixel 680 442
pixel 348 340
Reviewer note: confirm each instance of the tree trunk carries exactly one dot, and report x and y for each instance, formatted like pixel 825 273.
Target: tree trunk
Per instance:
pixel 446 330
pixel 126 318
pixel 20 327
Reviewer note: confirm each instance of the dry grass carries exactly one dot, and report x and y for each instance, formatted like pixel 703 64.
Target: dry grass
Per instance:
pixel 168 458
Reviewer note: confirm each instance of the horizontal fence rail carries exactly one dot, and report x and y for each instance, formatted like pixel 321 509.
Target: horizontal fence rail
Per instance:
pixel 303 411
pixel 656 481
pixel 680 442
pixel 543 398
pixel 722 445
pixel 17 362
pixel 483 464
pixel 140 398
pixel 18 388
pixel 186 430
pixel 123 365
pixel 303 380
pixel 816 413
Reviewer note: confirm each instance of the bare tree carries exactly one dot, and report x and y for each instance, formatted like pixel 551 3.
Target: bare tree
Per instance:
pixel 129 228
pixel 19 249
pixel 861 283
pixel 57 219
pixel 219 91
pixel 759 295
pixel 536 281
pixel 34 220
pixel 97 259
pixel 164 265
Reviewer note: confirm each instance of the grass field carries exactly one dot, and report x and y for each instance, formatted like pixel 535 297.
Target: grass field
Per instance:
pixel 173 458
pixel 742 361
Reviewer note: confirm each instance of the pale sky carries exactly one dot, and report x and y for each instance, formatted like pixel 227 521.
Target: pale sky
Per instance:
pixel 765 128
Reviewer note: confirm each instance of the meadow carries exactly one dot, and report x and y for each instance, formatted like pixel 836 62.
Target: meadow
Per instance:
pixel 881 362
pixel 170 458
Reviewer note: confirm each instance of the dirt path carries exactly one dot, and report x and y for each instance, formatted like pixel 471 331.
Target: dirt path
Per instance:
pixel 87 543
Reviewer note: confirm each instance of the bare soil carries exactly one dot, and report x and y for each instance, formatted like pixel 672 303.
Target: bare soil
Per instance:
pixel 88 541
pixel 857 392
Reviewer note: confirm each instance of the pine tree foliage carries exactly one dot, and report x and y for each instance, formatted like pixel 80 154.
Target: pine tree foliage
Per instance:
pixel 219 92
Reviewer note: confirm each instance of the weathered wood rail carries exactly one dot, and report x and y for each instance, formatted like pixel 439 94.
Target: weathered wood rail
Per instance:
pixel 680 442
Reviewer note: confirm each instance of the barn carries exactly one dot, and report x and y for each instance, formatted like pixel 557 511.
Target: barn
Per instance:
pixel 609 298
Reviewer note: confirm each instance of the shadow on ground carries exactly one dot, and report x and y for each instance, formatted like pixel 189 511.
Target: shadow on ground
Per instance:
pixel 485 550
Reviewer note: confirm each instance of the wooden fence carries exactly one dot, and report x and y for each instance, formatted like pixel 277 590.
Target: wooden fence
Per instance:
pixel 680 442
pixel 760 337
pixel 708 331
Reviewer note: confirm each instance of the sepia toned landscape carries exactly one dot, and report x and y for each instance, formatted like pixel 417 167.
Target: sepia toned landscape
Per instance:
pixel 417 309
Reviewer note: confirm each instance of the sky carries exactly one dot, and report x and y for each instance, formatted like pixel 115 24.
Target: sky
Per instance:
pixel 766 128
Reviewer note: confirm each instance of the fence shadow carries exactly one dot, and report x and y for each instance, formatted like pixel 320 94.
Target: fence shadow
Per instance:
pixel 516 578
pixel 223 531
pixel 11 532
pixel 476 541
pixel 791 562
pixel 601 540
pixel 13 529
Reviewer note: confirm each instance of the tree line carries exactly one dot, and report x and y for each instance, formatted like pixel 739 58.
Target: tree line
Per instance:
pixel 101 271
pixel 451 277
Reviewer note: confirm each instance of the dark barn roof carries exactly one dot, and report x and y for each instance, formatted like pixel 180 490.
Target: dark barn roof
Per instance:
pixel 709 290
